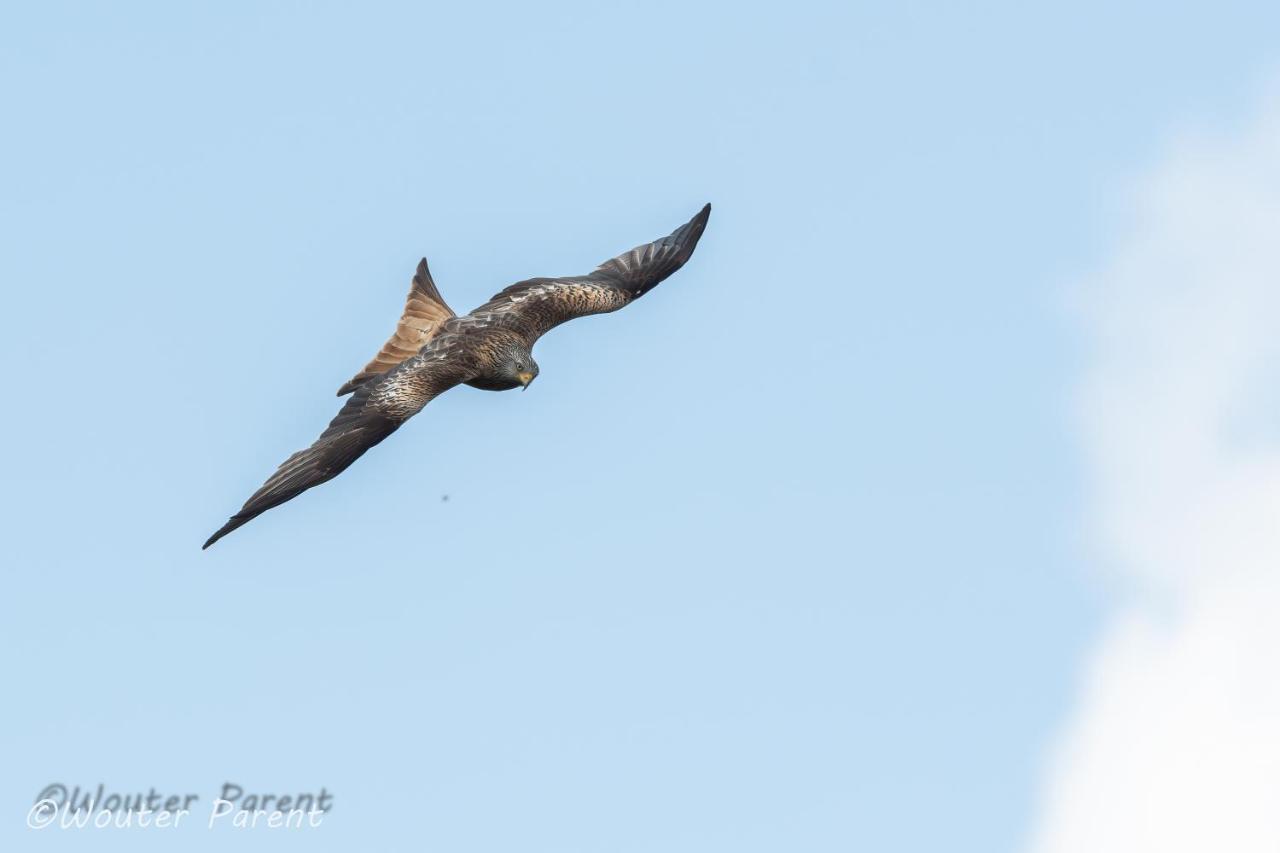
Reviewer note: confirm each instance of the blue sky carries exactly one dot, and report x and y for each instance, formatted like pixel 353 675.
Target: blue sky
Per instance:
pixel 788 555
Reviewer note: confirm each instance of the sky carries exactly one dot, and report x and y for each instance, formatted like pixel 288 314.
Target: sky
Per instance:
pixel 926 508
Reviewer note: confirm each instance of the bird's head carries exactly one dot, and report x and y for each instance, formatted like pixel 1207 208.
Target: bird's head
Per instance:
pixel 519 367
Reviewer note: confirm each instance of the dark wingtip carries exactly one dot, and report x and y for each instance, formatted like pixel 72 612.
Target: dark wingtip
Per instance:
pixel 698 224
pixel 231 525
pixel 691 232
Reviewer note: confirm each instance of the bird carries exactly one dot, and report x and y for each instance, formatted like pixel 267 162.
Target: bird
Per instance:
pixel 433 350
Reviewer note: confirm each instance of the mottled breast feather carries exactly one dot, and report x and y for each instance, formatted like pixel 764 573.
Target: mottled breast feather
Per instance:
pixel 444 362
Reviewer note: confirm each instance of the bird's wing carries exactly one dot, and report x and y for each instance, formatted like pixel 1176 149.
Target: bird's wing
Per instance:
pixel 424 312
pixel 540 304
pixel 376 410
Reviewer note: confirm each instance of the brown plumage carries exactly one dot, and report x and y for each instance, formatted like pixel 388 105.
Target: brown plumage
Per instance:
pixel 432 350
pixel 424 311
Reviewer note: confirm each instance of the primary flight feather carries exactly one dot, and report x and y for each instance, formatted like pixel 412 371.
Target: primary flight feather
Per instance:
pixel 432 350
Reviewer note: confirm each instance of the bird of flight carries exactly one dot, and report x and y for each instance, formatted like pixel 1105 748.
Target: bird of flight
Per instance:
pixel 433 349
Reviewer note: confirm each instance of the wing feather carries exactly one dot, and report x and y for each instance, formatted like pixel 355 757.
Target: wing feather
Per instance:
pixel 538 305
pixel 376 410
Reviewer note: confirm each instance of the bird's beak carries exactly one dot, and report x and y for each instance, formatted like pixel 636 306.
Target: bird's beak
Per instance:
pixel 525 378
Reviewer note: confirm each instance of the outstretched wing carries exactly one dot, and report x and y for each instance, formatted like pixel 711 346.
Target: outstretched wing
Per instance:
pixel 424 312
pixel 376 410
pixel 540 304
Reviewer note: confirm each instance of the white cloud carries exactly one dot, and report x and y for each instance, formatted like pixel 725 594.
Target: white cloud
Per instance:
pixel 1175 742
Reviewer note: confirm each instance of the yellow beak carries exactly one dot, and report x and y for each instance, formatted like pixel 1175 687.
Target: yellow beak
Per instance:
pixel 525 378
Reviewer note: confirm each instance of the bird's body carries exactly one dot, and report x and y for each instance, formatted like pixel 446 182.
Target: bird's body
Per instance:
pixel 432 350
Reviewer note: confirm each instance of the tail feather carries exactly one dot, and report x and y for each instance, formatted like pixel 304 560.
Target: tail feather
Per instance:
pixel 425 311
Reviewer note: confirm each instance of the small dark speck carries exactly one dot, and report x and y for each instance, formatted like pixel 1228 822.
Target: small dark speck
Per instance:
pixel 444 499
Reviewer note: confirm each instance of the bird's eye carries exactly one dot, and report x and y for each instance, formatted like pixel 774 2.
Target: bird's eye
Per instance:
pixel 519 366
